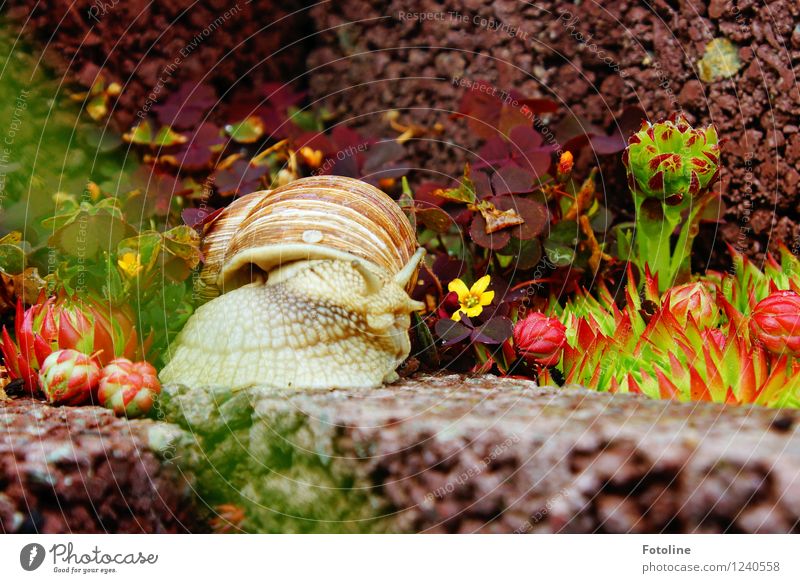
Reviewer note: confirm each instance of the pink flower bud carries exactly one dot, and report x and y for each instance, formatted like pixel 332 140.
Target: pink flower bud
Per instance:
pixel 68 377
pixel 129 388
pixel 775 321
pixel 697 299
pixel 540 339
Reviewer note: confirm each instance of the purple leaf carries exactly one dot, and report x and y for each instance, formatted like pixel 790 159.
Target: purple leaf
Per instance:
pixel 447 268
pixel 483 186
pixel 345 137
pixel 381 154
pixel 197 152
pixel 494 153
pixel 495 241
pixel 240 177
pixel 195 217
pixel 512 180
pixel 494 331
pixel 187 106
pixel 282 96
pixel 452 332
pixel 534 214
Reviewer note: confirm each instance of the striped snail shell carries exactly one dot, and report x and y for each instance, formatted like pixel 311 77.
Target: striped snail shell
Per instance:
pixel 310 287
pixel 322 217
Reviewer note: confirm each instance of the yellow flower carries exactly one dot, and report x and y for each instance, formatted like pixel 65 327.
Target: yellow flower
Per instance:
pixel 311 156
pixel 472 300
pixel 130 264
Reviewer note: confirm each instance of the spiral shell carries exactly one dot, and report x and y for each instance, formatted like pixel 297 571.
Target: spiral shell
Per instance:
pixel 321 217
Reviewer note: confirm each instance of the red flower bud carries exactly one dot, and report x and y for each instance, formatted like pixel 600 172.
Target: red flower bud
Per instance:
pixel 775 321
pixel 129 388
pixel 449 305
pixel 540 339
pixel 68 377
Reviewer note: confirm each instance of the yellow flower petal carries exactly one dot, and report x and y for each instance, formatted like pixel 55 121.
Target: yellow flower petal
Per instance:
pixel 460 288
pixel 473 311
pixel 480 286
pixel 130 265
pixel 486 298
pixel 456 315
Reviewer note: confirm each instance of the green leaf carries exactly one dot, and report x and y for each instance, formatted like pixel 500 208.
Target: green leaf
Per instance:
pixel 464 192
pixel 247 131
pixel 12 259
pixel 90 230
pixel 146 245
pixel 113 289
pixel 428 352
pixel 305 119
pixel 97 108
pixel 558 254
pixel 524 254
pixel 406 202
pixel 624 236
pixel 435 219
pixel 183 242
pixel 143 135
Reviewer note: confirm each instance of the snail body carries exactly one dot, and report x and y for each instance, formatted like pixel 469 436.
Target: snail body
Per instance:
pixel 312 283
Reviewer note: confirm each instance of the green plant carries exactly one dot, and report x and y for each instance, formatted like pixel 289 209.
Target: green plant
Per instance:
pixel 727 338
pixel 671 168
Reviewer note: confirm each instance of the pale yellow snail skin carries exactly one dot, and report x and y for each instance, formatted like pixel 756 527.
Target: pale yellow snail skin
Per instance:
pixel 329 261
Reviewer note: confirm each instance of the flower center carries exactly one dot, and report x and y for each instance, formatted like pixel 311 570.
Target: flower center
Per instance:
pixel 472 301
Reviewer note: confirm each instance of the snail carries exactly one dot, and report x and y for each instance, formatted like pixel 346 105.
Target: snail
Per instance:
pixel 310 285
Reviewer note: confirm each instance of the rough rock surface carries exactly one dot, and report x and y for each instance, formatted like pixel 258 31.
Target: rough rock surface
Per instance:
pixel 80 469
pixel 452 454
pixel 594 58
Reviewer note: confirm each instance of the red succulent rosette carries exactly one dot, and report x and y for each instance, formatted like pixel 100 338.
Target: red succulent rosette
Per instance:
pixel 59 322
pixel 775 322
pixel 129 388
pixel 697 299
pixel 68 377
pixel 540 339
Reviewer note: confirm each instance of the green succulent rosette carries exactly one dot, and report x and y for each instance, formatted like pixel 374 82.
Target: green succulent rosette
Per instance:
pixel 670 160
pixel 671 167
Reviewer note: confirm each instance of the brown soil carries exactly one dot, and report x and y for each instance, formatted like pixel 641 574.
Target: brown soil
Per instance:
pixel 595 59
pixel 138 43
pixel 80 469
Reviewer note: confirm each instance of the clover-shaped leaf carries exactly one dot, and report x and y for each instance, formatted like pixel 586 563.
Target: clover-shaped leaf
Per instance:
pixel 524 147
pixel 187 106
pixel 144 135
pixel 201 146
pixel 512 180
pixel 494 331
pixel 239 177
pixel 464 192
pixel 247 131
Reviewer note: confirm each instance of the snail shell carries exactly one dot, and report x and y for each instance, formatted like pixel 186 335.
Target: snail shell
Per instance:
pixel 322 217
pixel 314 279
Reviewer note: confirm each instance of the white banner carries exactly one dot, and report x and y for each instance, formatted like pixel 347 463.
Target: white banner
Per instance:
pixel 399 558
